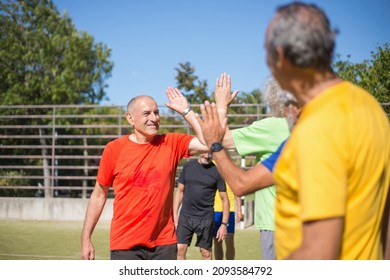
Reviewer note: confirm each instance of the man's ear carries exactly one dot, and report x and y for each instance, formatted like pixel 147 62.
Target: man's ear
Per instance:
pixel 280 58
pixel 129 118
pixel 283 64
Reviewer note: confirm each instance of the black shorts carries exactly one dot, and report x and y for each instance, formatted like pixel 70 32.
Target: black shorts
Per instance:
pixel 203 228
pixel 165 252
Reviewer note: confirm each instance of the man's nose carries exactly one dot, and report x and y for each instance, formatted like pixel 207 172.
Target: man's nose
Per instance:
pixel 153 116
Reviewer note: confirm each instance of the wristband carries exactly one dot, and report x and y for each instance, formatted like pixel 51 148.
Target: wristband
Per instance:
pixel 187 110
pixel 225 224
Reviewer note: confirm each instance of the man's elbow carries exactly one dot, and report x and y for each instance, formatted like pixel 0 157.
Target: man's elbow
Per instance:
pixel 238 189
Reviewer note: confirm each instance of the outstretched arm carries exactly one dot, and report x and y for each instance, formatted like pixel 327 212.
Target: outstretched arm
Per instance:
pixel 223 98
pixel 240 181
pixel 178 103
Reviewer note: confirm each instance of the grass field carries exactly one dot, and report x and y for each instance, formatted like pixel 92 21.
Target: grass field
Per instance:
pixel 49 240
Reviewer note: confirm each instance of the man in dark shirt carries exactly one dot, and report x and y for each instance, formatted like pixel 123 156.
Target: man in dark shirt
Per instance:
pixel 198 183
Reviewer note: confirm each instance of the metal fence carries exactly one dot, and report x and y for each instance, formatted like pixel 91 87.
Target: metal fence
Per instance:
pixel 54 151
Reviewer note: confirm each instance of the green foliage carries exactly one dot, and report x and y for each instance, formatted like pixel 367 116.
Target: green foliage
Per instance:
pixel 248 106
pixel 245 109
pixel 373 75
pixel 194 89
pixel 45 60
pixel 196 93
pixel 14 178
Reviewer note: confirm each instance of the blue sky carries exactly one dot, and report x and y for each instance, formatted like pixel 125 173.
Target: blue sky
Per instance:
pixel 149 38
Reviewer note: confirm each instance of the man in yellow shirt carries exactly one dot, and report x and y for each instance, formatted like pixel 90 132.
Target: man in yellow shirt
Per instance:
pixel 235 215
pixel 333 174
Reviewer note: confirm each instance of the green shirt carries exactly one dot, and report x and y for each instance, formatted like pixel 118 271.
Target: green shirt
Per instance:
pixel 261 139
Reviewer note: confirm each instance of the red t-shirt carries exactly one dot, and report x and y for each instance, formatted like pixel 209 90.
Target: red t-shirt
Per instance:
pixel 143 177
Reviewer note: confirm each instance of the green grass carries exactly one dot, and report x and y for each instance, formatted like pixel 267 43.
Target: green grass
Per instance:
pixel 52 240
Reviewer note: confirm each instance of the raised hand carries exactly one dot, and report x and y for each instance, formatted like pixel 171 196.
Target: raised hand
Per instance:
pixel 177 100
pixel 223 95
pixel 212 129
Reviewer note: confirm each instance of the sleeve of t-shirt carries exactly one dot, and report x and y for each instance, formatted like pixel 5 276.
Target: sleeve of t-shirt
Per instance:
pixel 270 161
pixel 106 166
pixel 183 142
pixel 261 137
pixel 221 185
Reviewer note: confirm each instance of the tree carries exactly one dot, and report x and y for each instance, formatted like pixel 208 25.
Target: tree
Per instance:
pixel 373 75
pixel 194 89
pixel 252 112
pixel 197 94
pixel 45 60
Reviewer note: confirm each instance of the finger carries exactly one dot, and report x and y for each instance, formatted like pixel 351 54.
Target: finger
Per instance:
pixel 219 236
pixel 172 92
pixel 204 113
pixel 214 112
pixel 235 93
pixel 228 80
pixel 199 118
pixel 167 92
pixel 221 79
pixel 210 108
pixel 224 81
pixel 177 92
pixel 207 112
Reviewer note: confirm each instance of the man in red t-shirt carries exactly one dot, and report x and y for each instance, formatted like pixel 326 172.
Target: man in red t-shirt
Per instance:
pixel 141 167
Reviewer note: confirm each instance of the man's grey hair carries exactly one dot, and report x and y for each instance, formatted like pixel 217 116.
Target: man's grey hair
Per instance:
pixel 274 97
pixel 304 33
pixel 288 98
pixel 133 101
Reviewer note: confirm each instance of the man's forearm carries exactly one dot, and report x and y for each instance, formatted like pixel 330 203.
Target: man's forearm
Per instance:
pixel 94 210
pixel 193 122
pixel 225 211
pixel 229 171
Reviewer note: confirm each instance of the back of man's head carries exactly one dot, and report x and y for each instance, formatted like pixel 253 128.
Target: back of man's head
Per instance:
pixel 304 33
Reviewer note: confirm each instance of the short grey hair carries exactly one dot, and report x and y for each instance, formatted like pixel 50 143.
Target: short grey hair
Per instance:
pixel 304 33
pixel 133 101
pixel 274 97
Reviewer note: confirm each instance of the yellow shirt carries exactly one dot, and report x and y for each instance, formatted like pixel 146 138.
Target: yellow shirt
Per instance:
pixel 218 201
pixel 335 164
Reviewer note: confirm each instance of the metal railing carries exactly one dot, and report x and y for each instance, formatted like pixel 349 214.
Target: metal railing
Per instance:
pixel 54 151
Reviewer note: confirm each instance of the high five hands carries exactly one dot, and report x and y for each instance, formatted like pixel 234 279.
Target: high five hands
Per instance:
pixel 177 100
pixel 213 130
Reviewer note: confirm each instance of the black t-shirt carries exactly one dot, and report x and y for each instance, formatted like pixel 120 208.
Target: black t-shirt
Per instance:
pixel 200 185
